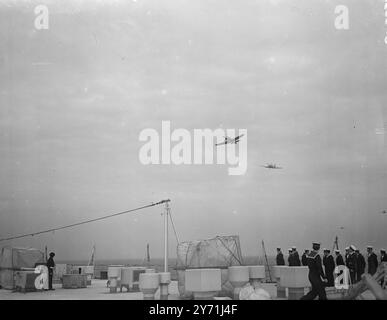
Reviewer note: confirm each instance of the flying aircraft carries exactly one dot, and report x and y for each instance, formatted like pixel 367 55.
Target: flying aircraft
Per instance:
pixel 271 166
pixel 384 212
pixel 228 140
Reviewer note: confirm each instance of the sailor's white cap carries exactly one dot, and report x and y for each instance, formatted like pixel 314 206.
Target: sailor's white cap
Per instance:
pixel 370 247
pixel 383 250
pixel 337 251
pixel 290 249
pixel 352 247
pixel 347 248
pixel 294 247
pixel 307 249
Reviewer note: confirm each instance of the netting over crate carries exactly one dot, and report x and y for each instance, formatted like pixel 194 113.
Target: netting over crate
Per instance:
pixel 13 259
pixel 219 252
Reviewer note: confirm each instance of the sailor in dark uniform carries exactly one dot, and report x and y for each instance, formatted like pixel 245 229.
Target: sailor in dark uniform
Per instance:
pixel 50 266
pixel 383 255
pixel 361 264
pixel 296 257
pixel 304 259
pixel 346 255
pixel 290 258
pixel 339 258
pixel 383 258
pixel 372 261
pixel 329 266
pixel 316 275
pixel 352 263
pixel 280 258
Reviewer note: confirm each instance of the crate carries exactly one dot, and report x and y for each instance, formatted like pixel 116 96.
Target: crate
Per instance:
pixel 25 281
pixel 74 281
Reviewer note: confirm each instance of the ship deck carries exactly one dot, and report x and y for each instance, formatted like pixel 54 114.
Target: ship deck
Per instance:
pixel 99 291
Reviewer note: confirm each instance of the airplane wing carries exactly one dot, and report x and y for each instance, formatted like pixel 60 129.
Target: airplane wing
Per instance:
pixel 236 139
pixel 219 144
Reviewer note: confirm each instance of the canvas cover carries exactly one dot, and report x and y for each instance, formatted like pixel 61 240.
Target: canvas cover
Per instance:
pixel 12 259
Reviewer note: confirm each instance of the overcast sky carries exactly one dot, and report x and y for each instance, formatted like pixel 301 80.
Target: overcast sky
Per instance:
pixel 74 98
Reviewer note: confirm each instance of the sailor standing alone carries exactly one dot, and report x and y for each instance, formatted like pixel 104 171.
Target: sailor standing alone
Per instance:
pixel 316 275
pixel 50 266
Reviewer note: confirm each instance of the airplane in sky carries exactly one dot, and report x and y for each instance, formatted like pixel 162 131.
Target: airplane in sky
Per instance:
pixel 271 166
pixel 228 140
pixel 384 212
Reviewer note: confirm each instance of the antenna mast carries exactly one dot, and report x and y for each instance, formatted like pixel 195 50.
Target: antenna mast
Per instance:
pixel 166 214
pixel 336 244
pixel 147 255
pixel 267 262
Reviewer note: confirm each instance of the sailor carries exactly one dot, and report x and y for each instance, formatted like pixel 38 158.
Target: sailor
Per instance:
pixel 361 264
pixel 372 261
pixel 316 275
pixel 383 255
pixel 296 257
pixel 50 266
pixel 290 258
pixel 383 258
pixel 329 266
pixel 346 255
pixel 280 257
pixel 339 258
pixel 352 263
pixel 304 258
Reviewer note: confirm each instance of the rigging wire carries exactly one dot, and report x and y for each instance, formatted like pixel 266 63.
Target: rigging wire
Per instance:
pixel 86 221
pixel 173 227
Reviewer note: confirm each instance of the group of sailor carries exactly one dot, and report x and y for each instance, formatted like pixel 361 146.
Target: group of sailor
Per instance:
pixel 321 277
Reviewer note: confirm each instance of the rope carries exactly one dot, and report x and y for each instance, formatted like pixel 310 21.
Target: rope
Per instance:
pixel 84 222
pixel 173 227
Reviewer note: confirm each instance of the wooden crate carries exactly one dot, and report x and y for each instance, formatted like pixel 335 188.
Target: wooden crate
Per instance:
pixel 25 281
pixel 74 281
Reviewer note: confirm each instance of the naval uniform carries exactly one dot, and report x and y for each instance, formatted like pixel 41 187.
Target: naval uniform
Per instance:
pixel 329 266
pixel 280 259
pixel 361 264
pixel 372 263
pixel 315 274
pixel 304 259
pixel 340 260
pixel 50 266
pixel 383 258
pixel 296 259
pixel 352 266
pixel 291 260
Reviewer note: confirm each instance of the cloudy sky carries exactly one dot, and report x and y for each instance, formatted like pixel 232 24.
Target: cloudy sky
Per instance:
pixel 74 98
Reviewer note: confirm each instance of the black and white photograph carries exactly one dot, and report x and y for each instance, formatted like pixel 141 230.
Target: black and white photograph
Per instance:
pixel 193 153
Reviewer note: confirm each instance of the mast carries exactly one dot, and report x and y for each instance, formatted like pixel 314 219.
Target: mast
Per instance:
pixel 336 244
pixel 267 262
pixel 92 258
pixel 147 255
pixel 166 214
